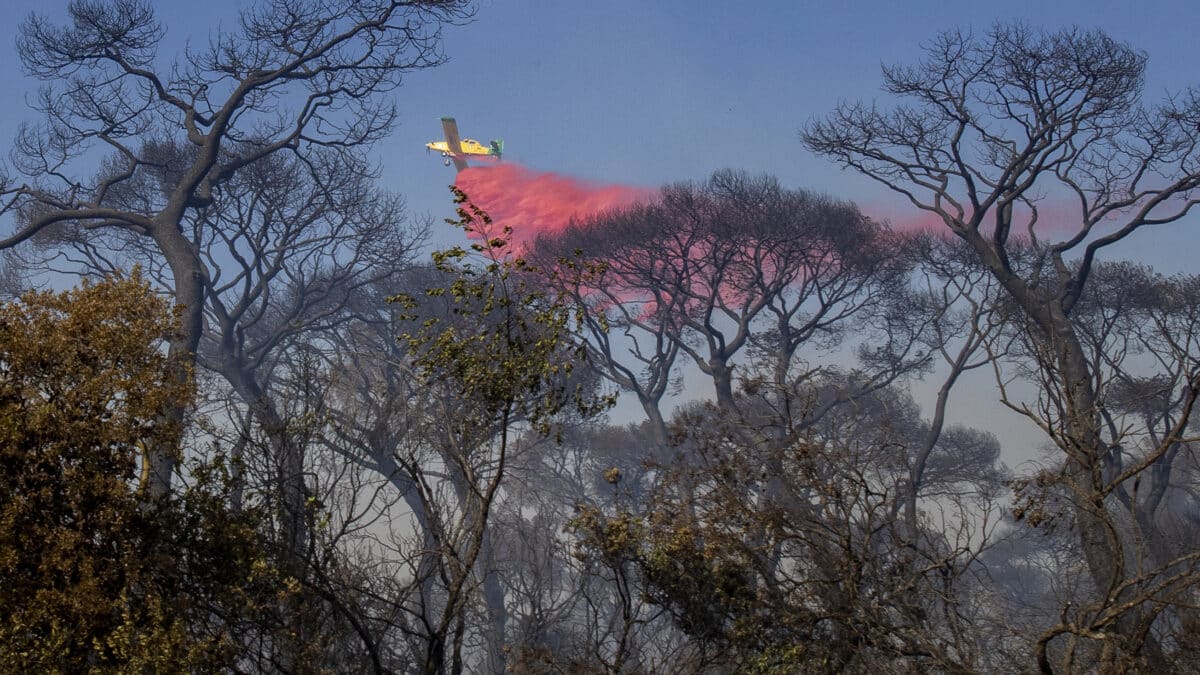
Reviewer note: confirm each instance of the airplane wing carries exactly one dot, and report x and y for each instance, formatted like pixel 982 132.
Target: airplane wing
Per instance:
pixel 450 129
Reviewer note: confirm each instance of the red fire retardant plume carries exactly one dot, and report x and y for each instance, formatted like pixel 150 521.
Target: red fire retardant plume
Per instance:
pixel 535 203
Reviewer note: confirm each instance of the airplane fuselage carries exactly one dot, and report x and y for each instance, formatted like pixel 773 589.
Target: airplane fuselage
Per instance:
pixel 456 150
pixel 469 146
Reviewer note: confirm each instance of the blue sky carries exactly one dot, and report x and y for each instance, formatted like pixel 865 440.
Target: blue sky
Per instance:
pixel 647 93
pixel 650 92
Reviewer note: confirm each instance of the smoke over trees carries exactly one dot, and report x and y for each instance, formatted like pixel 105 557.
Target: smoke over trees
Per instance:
pixel 998 125
pixel 285 443
pixel 293 79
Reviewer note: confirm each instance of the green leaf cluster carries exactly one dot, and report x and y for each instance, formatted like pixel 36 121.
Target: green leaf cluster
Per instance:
pixel 97 576
pixel 506 343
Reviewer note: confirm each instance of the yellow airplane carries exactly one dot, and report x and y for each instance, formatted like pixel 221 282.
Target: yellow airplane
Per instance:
pixel 457 150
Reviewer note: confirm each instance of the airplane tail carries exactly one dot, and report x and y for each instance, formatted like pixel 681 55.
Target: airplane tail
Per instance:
pixel 497 147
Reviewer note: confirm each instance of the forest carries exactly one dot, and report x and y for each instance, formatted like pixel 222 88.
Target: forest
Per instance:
pixel 251 421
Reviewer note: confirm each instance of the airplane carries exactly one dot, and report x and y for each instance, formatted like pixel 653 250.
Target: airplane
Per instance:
pixel 457 150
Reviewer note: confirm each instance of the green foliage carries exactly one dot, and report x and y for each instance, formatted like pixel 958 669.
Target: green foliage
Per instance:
pixel 704 583
pixel 495 349
pixel 507 343
pixel 98 578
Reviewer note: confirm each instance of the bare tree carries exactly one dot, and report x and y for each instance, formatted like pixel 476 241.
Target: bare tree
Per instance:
pixel 290 247
pixel 957 296
pixel 737 274
pixel 295 76
pixel 1001 125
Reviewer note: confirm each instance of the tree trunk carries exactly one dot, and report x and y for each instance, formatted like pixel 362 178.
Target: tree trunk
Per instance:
pixel 722 376
pixel 497 612
pixel 658 425
pixel 189 276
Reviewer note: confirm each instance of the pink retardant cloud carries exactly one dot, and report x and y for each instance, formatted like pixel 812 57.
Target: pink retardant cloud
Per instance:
pixel 534 203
